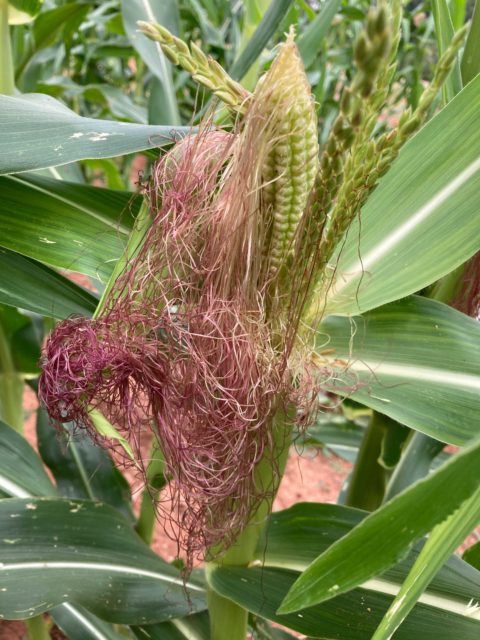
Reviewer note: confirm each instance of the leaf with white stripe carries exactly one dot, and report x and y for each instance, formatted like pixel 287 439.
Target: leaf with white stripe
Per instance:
pixel 21 471
pixel 56 551
pixel 66 225
pixel 81 468
pixel 294 538
pixel 441 543
pixel 30 285
pixel 196 627
pixel 38 132
pixel 416 360
pixel 22 475
pixel 388 534
pixel 423 219
pixel 79 624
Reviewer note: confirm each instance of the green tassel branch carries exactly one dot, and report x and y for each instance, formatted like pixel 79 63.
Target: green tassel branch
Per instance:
pixel 204 69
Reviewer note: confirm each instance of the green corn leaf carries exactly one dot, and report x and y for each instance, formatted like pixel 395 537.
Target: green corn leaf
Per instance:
pixel 335 432
pixel 107 430
pixel 292 540
pixel 313 36
pixel 30 285
pixel 81 468
pixel 40 132
pixel 441 543
pixel 47 29
pixel 445 32
pixel 23 336
pixel 85 553
pixel 423 219
pixel 458 10
pixel 79 624
pixel 22 11
pixel 415 360
pixel 21 471
pixel 113 99
pixel 165 13
pixel 11 380
pixel 386 535
pixel 266 631
pixel 253 13
pixel 418 457
pixel 265 30
pixel 472 555
pixel 470 65
pixel 195 627
pixel 66 225
pixel 22 475
pixel 110 170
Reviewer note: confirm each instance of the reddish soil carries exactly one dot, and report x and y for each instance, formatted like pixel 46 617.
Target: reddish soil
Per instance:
pixel 11 630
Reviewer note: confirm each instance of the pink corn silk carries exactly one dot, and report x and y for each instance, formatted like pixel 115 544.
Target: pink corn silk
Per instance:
pixel 181 346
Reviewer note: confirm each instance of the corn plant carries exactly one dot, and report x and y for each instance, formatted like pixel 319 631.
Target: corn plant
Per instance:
pixel 277 255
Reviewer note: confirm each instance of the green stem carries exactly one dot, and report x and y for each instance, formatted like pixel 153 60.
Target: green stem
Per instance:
pixel 414 464
pixel 446 289
pixel 81 470
pixel 11 387
pixel 37 628
pixel 228 620
pixel 7 76
pixel 155 482
pixel 367 483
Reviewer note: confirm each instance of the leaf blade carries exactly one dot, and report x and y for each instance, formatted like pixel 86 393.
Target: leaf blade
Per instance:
pixel 29 285
pixel 441 543
pixel 151 52
pixel 260 38
pixel 40 132
pixel 65 225
pixel 81 468
pixel 86 554
pixel 470 65
pixel 382 541
pixel 21 472
pixel 295 536
pixel 312 37
pixel 415 360
pixel 445 32
pixel 432 191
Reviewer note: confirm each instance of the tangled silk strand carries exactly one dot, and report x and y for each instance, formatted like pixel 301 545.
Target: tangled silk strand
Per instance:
pixel 182 349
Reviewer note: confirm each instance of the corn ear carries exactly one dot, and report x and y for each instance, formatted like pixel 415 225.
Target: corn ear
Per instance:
pixel 285 101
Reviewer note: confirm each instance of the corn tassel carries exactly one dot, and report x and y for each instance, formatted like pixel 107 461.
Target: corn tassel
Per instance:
pixel 384 151
pixel 371 160
pixel 348 141
pixel 204 69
